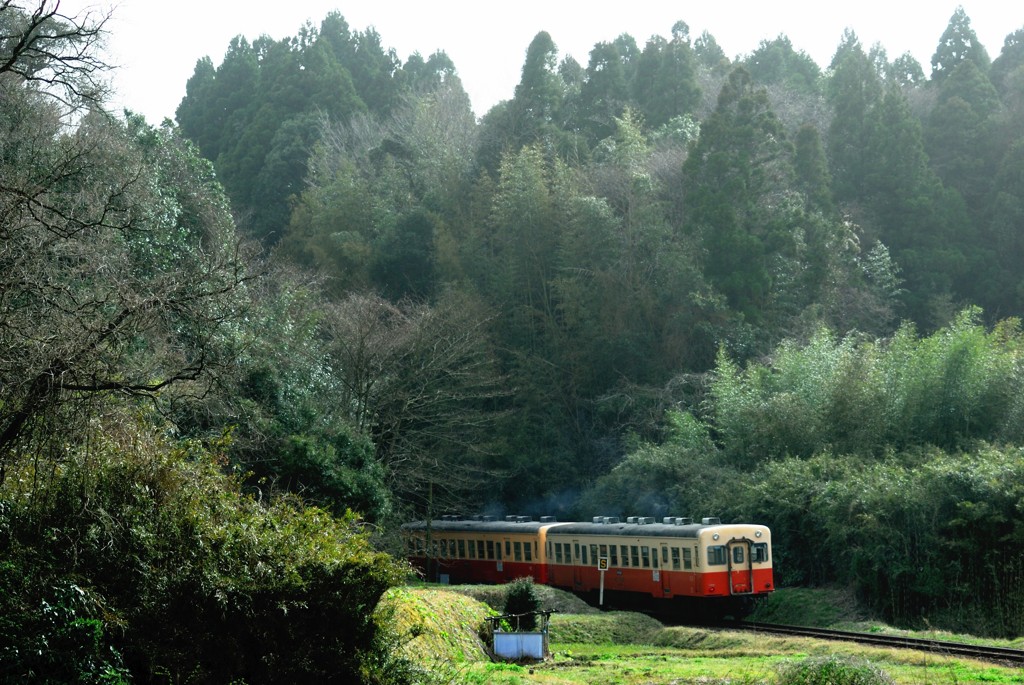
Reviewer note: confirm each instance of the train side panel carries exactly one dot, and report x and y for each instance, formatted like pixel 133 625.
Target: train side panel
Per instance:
pixel 719 564
pixel 468 551
pixel 663 561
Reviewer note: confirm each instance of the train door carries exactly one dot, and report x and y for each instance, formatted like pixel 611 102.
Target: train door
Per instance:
pixel 507 544
pixel 666 577
pixel 741 569
pixel 577 565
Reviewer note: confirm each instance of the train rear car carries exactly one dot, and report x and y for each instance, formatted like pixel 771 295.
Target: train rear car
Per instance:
pixel 479 549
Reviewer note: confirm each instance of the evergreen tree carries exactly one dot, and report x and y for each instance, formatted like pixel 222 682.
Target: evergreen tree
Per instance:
pixel 958 43
pixel 924 224
pixel 1010 60
pixel 740 162
pixel 853 91
pixel 960 136
pixel 665 85
pixel 605 92
pixel 778 62
pixel 709 53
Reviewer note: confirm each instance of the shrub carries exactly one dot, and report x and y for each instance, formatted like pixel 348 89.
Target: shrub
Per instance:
pixel 521 600
pixel 833 670
pixel 142 559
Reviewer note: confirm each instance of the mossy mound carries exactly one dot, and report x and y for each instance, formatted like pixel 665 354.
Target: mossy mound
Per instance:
pixel 437 629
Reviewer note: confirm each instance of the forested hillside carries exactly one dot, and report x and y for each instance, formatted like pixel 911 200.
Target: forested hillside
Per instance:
pixel 506 309
pixel 330 295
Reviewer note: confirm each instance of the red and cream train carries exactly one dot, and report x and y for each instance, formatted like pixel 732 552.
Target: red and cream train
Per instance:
pixel 718 569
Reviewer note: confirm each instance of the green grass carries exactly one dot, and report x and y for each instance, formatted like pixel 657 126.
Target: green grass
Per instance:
pixel 624 648
pixel 810 607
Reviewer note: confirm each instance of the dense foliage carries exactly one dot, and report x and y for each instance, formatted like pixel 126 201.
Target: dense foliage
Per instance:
pixel 661 282
pixel 138 560
pixel 687 271
pixel 129 553
pixel 894 467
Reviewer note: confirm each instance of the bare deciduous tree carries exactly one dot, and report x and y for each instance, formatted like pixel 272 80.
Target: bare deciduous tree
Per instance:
pixel 54 52
pixel 118 258
pixel 420 379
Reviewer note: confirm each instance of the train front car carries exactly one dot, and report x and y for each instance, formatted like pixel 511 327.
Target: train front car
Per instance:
pixel 709 568
pixel 479 549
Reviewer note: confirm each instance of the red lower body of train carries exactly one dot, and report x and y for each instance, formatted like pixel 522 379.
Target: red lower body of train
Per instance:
pixel 720 567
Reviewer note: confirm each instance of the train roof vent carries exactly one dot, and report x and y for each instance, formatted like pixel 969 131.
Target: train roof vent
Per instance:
pixel 611 519
pixel 644 520
pixel 711 520
pixel 670 520
pixel 631 519
pixel 487 518
pixel 510 518
pixel 524 519
pixel 548 519
pixel 598 519
pixel 683 520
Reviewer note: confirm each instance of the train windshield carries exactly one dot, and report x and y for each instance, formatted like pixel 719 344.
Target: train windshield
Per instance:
pixel 717 555
pixel 759 552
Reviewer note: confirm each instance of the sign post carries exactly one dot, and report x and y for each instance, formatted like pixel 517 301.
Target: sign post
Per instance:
pixel 602 566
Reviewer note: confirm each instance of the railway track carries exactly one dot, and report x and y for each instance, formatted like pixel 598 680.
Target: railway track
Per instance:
pixel 1000 655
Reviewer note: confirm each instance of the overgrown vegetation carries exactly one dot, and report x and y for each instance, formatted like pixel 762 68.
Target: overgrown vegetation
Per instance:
pixel 632 649
pixel 833 671
pixel 662 283
pixel 128 552
pixel 138 558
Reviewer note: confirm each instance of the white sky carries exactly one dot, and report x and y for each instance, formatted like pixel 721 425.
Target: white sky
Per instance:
pixel 157 42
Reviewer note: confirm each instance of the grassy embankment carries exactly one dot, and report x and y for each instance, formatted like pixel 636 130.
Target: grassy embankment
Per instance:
pixel 444 631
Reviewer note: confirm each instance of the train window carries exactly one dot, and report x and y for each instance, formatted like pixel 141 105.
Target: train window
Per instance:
pixel 717 555
pixel 687 561
pixel 576 551
pixel 490 549
pixel 737 555
pixel 759 552
pixel 518 547
pixel 584 555
pixel 480 548
pixel 604 551
pixel 654 557
pixel 497 550
pixel 528 552
pixel 593 553
pixel 472 548
pixel 645 555
pixel 615 555
pixel 462 549
pixel 508 549
pixel 634 553
pixel 558 553
pixel 664 556
pixel 625 555
pixel 675 559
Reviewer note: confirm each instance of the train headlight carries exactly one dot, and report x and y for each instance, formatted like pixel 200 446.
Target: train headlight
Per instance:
pixel 757 533
pixel 715 536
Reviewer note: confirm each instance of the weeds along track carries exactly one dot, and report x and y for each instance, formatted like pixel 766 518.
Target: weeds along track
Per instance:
pixel 1000 655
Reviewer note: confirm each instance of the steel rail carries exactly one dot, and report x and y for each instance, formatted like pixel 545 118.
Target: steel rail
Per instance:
pixel 1002 655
